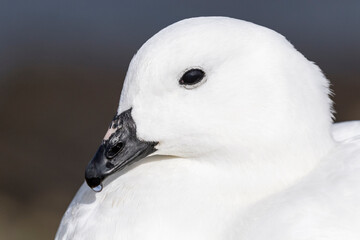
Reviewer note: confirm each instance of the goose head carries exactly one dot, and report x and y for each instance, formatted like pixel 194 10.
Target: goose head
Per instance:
pixel 216 86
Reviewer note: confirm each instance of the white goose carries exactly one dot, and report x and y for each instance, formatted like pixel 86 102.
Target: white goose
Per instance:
pixel 224 131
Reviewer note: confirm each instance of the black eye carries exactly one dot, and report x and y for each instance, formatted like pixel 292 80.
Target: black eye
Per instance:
pixel 192 77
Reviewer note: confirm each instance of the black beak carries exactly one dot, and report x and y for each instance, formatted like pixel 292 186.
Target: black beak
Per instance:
pixel 119 150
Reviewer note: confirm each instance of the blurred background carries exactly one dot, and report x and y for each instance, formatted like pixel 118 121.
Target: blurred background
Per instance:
pixel 62 65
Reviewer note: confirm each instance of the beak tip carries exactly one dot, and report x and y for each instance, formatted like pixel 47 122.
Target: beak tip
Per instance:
pixel 94 183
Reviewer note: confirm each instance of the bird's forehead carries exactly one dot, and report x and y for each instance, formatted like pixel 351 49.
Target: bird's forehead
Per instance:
pixel 197 35
pixel 201 41
pixel 207 43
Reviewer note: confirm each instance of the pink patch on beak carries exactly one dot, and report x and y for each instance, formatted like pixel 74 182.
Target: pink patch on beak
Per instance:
pixel 109 132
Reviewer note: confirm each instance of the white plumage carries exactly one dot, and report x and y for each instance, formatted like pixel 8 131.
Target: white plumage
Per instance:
pixel 250 153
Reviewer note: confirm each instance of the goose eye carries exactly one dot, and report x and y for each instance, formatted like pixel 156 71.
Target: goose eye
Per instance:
pixel 192 77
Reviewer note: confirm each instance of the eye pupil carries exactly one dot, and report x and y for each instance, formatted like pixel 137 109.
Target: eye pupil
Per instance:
pixel 192 76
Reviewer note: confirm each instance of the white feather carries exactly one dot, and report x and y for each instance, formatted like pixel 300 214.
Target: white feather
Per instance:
pixel 248 154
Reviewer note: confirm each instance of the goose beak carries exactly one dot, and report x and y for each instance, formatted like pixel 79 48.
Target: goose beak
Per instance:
pixel 120 148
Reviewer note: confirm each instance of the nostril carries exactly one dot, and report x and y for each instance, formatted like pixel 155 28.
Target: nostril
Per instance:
pixel 114 150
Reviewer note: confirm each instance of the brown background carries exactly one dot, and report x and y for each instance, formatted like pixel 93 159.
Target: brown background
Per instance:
pixel 61 69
